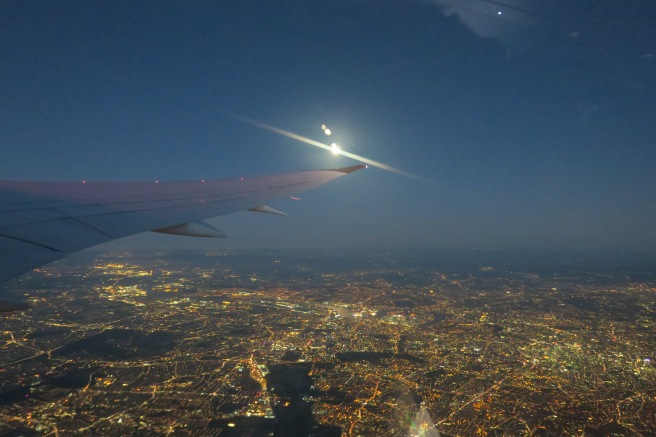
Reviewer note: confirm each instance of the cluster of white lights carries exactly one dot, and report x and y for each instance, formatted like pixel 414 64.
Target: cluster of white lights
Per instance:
pixel 333 146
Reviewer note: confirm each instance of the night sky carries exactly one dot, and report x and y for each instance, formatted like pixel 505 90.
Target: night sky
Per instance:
pixel 534 122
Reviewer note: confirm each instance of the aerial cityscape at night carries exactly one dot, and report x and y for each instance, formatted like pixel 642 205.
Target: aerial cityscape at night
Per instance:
pixel 440 218
pixel 312 343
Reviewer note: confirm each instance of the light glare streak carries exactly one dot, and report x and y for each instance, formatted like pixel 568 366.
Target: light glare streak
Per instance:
pixel 312 142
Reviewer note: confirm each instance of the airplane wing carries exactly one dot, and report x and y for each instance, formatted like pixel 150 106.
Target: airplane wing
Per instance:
pixel 41 222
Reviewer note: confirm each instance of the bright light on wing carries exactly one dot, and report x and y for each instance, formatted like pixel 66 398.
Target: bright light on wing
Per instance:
pixel 335 149
pixel 312 142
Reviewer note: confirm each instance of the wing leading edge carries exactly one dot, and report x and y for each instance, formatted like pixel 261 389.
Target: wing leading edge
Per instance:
pixel 41 222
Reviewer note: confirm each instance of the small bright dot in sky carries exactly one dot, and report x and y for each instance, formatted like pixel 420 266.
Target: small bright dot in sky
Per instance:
pixel 327 131
pixel 335 149
pixel 499 13
pixel 323 126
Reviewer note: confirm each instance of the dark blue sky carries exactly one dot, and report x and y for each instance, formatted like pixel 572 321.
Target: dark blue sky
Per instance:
pixel 537 124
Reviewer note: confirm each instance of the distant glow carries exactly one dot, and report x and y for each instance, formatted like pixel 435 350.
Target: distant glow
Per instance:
pixel 312 142
pixel 335 149
pixel 499 13
pixel 323 127
pixel 327 131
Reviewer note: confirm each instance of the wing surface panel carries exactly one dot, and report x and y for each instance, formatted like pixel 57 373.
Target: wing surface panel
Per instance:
pixel 18 257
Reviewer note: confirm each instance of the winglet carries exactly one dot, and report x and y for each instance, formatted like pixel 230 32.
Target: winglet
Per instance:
pixel 351 169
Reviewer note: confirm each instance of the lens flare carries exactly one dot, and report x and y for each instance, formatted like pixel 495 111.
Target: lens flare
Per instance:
pixel 335 149
pixel 312 142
